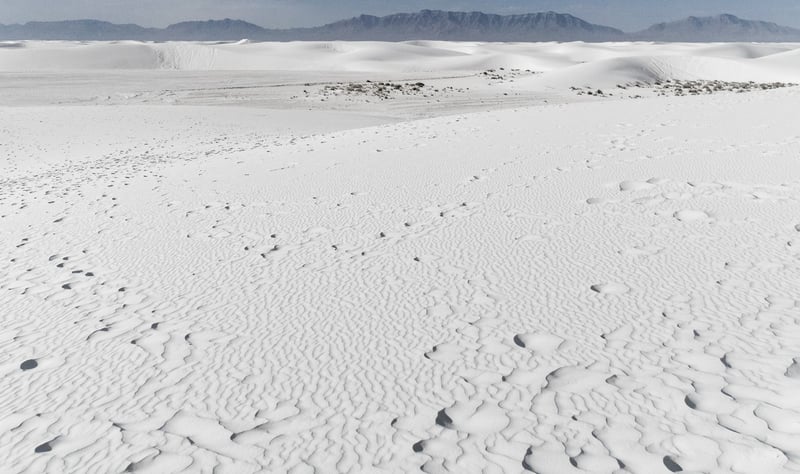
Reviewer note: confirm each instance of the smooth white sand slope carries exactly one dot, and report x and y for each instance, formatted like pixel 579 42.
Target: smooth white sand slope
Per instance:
pixel 413 56
pixel 202 273
pixel 650 69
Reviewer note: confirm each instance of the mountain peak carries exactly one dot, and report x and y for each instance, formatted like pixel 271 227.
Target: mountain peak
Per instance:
pixel 218 30
pixel 724 27
pixel 466 26
pixel 225 23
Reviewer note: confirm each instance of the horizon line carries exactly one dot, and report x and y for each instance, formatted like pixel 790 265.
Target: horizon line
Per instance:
pixel 391 14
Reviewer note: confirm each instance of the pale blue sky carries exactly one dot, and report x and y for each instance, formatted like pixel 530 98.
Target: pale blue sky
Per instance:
pixel 628 15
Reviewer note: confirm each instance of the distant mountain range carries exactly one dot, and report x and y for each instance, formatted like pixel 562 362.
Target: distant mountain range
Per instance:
pixel 474 26
pixel 718 28
pixel 424 25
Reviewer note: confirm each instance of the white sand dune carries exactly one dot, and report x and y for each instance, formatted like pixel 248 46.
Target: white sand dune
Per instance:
pixel 414 56
pixel 245 258
pixel 788 62
pixel 649 69
pixel 743 50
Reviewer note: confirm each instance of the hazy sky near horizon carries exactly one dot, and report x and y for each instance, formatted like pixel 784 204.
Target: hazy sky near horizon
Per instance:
pixel 629 15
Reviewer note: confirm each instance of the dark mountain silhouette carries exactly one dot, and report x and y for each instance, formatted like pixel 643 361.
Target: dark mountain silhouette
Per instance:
pixel 77 30
pixel 213 30
pixel 462 26
pixel 427 24
pixel 424 25
pixel 718 28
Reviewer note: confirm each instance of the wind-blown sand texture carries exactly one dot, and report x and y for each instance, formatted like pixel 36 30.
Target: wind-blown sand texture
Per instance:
pixel 224 258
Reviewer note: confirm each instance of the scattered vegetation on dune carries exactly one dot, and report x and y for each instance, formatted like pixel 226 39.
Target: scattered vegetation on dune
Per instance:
pixel 501 75
pixel 379 90
pixel 681 88
pixel 698 87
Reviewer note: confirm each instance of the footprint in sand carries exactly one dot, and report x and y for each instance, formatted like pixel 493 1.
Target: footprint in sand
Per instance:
pixel 596 201
pixel 635 186
pixel 447 352
pixel 540 343
pixel 691 215
pixel 610 288
pixel 474 417
pixel 43 448
pixel 794 370
pixel 641 251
